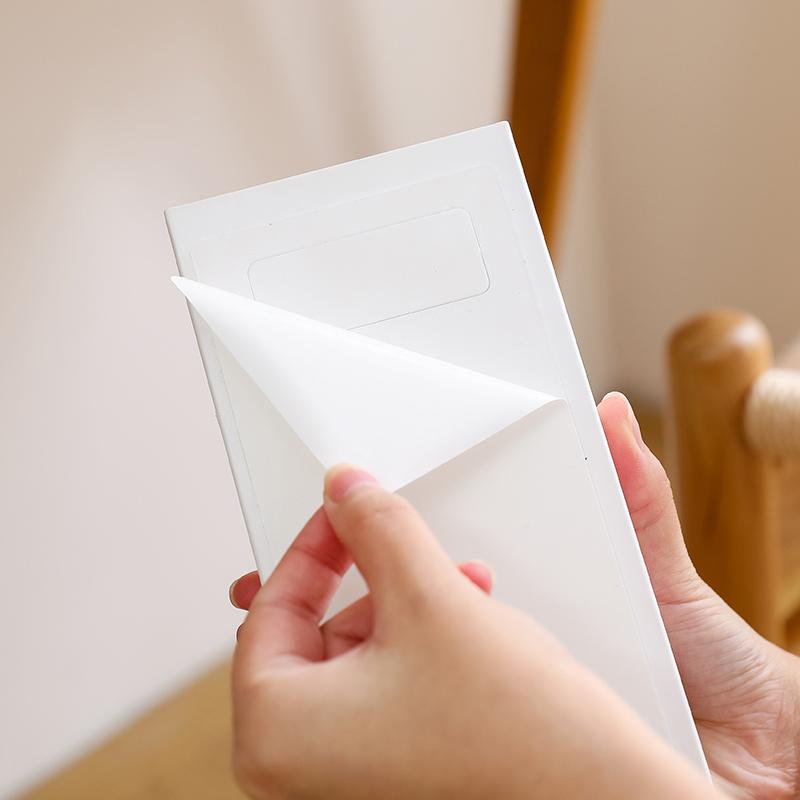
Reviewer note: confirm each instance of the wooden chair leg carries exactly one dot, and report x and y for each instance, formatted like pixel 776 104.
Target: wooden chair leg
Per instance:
pixel 726 491
pixel 553 38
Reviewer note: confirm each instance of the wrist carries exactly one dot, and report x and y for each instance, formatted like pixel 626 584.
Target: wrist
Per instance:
pixel 612 753
pixel 652 769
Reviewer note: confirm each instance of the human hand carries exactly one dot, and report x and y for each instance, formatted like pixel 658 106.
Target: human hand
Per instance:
pixel 427 687
pixel 743 691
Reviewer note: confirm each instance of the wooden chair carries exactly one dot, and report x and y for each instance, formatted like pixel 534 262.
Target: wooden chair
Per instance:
pixel 733 438
pixel 553 47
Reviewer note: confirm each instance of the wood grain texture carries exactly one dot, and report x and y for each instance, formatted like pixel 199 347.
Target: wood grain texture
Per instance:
pixel 727 492
pixel 789 513
pixel 178 751
pixel 552 49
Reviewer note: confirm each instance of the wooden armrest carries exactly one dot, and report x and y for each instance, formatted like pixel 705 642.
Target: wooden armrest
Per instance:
pixel 772 413
pixel 726 489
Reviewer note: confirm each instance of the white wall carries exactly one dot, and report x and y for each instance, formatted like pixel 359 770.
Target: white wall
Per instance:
pixel 121 529
pixel 685 192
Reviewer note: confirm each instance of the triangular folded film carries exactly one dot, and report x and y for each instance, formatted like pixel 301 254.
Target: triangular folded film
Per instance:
pixel 350 398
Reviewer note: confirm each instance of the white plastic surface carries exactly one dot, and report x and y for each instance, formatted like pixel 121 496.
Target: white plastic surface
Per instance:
pixel 393 270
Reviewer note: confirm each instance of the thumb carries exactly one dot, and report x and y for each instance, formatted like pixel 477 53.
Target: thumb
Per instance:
pixel 390 543
pixel 650 503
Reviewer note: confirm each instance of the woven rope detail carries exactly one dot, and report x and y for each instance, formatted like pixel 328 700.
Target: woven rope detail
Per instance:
pixel 772 413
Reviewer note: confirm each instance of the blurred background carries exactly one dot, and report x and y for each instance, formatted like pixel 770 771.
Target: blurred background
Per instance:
pixel 660 143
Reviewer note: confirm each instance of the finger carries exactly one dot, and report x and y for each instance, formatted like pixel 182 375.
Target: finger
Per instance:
pixel 243 590
pixel 392 546
pixel 650 503
pixel 349 628
pixel 283 623
pixel 353 625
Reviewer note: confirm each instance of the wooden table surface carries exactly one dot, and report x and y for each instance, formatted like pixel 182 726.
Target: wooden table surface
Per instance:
pixel 178 751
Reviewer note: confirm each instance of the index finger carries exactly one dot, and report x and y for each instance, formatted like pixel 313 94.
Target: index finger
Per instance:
pixel 282 626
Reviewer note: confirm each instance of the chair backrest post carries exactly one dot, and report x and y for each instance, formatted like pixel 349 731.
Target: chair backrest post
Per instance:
pixel 726 491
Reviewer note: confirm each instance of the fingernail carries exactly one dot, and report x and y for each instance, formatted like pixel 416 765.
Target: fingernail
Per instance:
pixel 342 479
pixel 489 570
pixel 231 590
